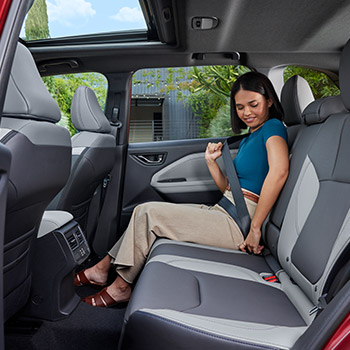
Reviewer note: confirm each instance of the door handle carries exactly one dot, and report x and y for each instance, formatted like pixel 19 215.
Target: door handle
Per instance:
pixel 150 159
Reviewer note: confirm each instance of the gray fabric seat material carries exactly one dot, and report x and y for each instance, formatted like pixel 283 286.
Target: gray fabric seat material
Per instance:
pixel 41 158
pixel 212 333
pixel 27 96
pixel 86 112
pixel 254 263
pixel 323 187
pixel 235 299
pixel 296 95
pixel 93 157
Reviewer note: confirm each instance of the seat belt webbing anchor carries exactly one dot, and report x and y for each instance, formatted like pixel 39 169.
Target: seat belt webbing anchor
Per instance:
pixel 322 303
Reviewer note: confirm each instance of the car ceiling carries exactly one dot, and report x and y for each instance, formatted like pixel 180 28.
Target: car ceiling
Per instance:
pixel 266 33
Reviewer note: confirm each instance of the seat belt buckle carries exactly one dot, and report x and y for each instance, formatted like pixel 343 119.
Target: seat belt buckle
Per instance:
pixel 270 278
pixel 321 304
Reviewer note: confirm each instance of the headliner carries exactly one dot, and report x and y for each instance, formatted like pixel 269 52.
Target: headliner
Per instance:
pixel 266 33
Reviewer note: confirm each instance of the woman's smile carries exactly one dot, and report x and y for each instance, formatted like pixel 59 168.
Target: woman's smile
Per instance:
pixel 252 108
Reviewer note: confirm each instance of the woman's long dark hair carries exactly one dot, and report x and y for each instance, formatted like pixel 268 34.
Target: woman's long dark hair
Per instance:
pixel 257 82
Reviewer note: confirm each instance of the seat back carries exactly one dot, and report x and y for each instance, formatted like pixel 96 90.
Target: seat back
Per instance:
pixel 93 156
pixel 41 157
pixel 296 94
pixel 316 226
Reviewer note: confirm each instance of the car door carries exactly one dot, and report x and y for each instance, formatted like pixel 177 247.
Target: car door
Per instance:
pixel 174 113
pixel 161 142
pixel 171 171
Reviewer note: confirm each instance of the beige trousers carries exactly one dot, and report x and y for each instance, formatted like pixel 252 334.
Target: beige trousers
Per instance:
pixel 181 222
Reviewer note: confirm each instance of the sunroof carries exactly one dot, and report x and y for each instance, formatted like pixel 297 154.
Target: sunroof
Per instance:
pixel 61 18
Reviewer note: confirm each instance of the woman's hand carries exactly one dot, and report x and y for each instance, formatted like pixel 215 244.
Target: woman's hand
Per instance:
pixel 252 242
pixel 213 151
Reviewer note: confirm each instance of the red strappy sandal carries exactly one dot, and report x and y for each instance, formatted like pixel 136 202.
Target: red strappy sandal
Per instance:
pixel 102 299
pixel 80 279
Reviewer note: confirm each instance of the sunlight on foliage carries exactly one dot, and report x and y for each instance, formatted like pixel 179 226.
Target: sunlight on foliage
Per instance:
pixel 321 85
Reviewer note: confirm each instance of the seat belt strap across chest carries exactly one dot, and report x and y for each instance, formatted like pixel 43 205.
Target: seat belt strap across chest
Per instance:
pixel 236 190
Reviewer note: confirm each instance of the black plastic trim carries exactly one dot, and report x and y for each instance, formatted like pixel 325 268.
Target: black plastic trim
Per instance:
pixel 103 38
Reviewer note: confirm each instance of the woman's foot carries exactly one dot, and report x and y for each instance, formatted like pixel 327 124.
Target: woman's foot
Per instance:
pixel 118 292
pixel 95 275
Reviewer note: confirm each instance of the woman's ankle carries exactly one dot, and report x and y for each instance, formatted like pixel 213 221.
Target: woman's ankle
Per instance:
pixel 104 264
pixel 120 290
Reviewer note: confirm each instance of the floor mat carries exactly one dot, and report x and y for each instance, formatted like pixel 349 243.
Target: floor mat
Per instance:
pixel 87 328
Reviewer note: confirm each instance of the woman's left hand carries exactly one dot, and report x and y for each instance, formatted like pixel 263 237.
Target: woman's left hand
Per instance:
pixel 252 241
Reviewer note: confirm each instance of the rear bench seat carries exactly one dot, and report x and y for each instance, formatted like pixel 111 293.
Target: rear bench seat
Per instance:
pixel 197 297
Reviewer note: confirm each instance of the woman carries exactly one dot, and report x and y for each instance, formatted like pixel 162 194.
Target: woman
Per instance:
pixel 262 165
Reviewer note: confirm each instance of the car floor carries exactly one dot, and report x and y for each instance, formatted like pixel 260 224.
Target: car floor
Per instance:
pixel 87 328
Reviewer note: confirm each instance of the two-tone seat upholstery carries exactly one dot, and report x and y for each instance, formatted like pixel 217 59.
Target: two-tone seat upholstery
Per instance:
pixel 41 158
pixel 296 95
pixel 93 156
pixel 197 297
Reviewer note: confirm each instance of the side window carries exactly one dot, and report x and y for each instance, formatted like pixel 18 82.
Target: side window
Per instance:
pixel 62 88
pixel 320 83
pixel 182 103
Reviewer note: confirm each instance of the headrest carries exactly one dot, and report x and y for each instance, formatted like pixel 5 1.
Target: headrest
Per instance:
pixel 296 95
pixel 319 110
pixel 344 75
pixel 27 96
pixel 86 113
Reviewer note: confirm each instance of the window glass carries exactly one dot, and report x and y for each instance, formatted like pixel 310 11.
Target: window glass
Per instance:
pixel 62 88
pixel 60 18
pixel 182 103
pixel 320 83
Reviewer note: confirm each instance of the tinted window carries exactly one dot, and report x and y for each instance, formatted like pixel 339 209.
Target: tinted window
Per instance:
pixel 182 103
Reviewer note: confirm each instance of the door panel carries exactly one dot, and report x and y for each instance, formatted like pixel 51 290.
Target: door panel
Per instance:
pixel 172 171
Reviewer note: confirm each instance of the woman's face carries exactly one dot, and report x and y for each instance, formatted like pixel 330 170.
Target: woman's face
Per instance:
pixel 252 108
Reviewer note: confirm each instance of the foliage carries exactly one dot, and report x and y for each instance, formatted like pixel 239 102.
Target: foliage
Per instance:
pixel 37 22
pixel 321 85
pixel 62 89
pixel 216 79
pixel 221 125
pixel 209 93
pixel 203 89
pixel 205 106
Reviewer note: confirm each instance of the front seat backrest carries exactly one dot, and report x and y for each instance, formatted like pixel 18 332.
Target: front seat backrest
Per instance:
pixel 41 157
pixel 94 150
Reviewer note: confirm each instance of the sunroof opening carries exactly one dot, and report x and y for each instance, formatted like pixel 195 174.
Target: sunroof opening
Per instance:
pixel 62 18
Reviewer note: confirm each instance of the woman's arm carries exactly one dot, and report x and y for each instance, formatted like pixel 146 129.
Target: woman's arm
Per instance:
pixel 278 158
pixel 212 153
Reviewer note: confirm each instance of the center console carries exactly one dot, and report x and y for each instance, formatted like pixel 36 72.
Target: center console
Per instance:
pixel 59 248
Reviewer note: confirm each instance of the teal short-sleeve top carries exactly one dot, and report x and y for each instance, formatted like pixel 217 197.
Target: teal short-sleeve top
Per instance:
pixel 251 161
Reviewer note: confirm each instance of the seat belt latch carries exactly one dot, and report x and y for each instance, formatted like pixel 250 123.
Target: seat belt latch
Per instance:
pixel 322 303
pixel 106 180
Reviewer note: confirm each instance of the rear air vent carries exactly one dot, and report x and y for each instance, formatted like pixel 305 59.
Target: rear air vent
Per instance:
pixel 80 236
pixel 72 241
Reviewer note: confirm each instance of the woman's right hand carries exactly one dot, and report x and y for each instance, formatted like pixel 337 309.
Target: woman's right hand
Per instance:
pixel 252 242
pixel 213 151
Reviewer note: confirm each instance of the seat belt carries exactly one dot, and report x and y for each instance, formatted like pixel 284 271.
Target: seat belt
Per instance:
pixel 240 204
pixel 105 183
